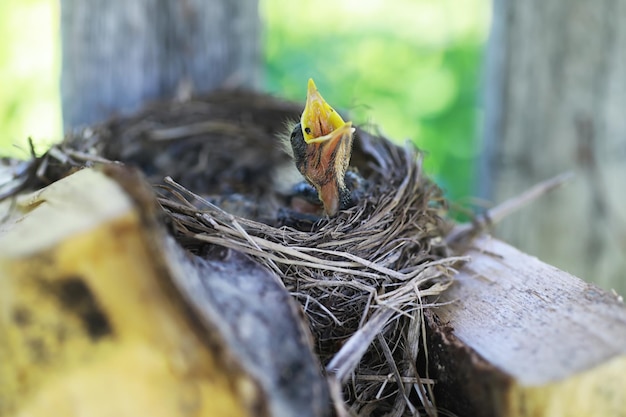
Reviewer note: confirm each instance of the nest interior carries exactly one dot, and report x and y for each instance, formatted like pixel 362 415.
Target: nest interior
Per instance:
pixel 363 277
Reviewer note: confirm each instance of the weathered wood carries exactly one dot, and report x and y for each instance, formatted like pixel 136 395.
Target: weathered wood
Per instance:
pixel 102 313
pixel 554 101
pixel 95 298
pixel 522 338
pixel 117 55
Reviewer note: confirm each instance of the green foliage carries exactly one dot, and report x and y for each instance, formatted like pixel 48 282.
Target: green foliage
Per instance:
pixel 409 67
pixel 29 96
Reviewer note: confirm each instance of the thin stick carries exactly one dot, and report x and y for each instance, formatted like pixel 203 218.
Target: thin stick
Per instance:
pixel 404 379
pixel 348 357
pixel 506 208
pixel 396 372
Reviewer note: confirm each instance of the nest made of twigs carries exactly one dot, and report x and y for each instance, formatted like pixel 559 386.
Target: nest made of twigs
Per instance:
pixel 372 269
pixel 363 277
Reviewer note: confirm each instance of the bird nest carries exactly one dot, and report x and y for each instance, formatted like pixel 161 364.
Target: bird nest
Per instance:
pixel 363 277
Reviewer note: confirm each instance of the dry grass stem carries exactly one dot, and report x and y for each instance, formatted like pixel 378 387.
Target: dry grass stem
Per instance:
pixel 363 277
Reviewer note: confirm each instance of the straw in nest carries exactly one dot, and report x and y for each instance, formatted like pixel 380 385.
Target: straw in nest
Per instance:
pixel 363 277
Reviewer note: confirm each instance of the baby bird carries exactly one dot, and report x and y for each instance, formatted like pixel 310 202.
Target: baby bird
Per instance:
pixel 322 145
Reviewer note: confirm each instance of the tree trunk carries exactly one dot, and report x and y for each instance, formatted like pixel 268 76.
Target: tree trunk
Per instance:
pixel 554 101
pixel 119 54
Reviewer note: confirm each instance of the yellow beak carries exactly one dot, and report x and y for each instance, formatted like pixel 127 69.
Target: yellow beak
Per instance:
pixel 319 120
pixel 327 149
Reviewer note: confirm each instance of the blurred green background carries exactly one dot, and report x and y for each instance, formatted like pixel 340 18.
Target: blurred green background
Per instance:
pixel 410 67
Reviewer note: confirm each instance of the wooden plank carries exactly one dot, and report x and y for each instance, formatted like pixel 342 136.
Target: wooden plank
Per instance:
pixel 519 337
pixel 102 314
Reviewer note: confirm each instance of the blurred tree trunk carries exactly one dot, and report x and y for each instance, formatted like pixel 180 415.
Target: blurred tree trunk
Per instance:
pixel 556 101
pixel 119 54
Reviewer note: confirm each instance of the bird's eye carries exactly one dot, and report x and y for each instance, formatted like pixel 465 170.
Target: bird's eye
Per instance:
pixel 307 130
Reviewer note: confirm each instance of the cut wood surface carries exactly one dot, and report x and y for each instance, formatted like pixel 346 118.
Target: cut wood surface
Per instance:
pixel 519 337
pixel 102 314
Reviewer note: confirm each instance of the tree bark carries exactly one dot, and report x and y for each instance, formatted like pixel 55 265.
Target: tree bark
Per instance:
pixel 119 54
pixel 554 101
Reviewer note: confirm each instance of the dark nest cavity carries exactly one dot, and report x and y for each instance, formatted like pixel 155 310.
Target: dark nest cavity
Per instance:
pixel 363 277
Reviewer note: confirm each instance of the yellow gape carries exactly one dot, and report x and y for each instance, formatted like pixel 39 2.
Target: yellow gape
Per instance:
pixel 320 122
pixel 322 150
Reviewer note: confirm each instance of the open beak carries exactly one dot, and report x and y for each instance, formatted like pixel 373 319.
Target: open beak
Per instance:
pixel 318 119
pixel 328 148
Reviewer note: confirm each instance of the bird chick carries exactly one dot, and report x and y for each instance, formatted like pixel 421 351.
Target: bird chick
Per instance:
pixel 322 145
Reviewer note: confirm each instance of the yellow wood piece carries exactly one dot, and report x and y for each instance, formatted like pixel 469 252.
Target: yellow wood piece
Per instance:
pixel 89 324
pixel 521 338
pixel 597 392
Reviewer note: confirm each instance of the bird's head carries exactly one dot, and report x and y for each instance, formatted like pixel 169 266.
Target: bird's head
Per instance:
pixel 322 146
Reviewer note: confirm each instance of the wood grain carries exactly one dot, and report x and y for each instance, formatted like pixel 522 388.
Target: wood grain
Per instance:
pixel 102 313
pixel 519 337
pixel 555 94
